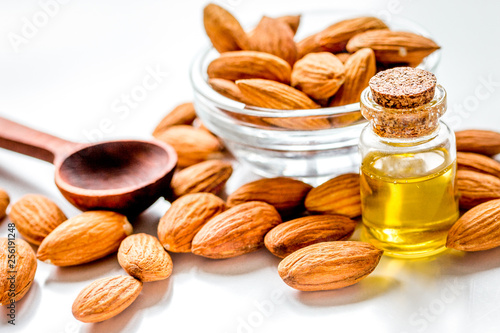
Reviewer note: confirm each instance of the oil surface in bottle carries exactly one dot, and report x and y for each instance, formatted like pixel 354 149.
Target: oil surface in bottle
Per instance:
pixel 409 201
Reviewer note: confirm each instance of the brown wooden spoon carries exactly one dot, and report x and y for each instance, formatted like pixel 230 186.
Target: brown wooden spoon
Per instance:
pixel 125 176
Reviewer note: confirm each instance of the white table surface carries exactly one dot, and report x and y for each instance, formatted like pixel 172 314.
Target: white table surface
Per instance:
pixel 68 77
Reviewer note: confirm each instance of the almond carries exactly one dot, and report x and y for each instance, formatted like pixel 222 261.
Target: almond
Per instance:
pixel 227 89
pixel 183 114
pixel 143 257
pixel 293 21
pixel 193 145
pixel 84 238
pixel 478 163
pixel 274 95
pixel 343 56
pixel 185 218
pixel 360 67
pixel 239 65
pixel 478 141
pixel 23 262
pixel 476 188
pixel 105 298
pixel 4 202
pixel 329 265
pixel 223 29
pixel 394 46
pixel 35 217
pixel 334 38
pixel 340 195
pixel 478 229
pixel 290 236
pixel 275 37
pixel 208 176
pixel 237 231
pixel 285 194
pixel 319 75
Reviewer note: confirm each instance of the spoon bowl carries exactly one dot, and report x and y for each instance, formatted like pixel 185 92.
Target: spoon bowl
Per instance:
pixel 126 176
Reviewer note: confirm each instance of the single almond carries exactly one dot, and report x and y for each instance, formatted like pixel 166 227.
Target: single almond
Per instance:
pixel 223 29
pixel 319 75
pixel 193 145
pixel 476 188
pixel 4 202
pixel 360 67
pixel 394 46
pixel 105 298
pixel 293 21
pixel 143 257
pixel 183 114
pixel 293 235
pixel 84 238
pixel 285 194
pixel 275 37
pixel 478 163
pixel 236 231
pixel 184 219
pixel 340 195
pixel 238 65
pixel 18 267
pixel 478 229
pixel 329 265
pixel 208 176
pixel 334 38
pixel 35 217
pixel 478 141
pixel 274 95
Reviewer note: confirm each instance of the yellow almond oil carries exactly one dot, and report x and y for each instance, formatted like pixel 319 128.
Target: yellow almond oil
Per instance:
pixel 409 201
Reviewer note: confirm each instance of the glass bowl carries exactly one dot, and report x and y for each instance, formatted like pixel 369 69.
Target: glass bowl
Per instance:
pixel 311 145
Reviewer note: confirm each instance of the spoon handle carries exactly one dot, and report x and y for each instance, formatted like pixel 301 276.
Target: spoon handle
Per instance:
pixel 27 141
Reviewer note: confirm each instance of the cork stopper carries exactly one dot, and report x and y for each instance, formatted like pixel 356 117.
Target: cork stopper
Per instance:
pixel 403 87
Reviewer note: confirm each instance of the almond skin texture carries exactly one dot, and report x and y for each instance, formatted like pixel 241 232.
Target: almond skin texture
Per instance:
pixel 478 141
pixel 227 89
pixel 4 203
pixel 105 298
pixel 340 195
pixel 478 229
pixel 360 67
pixel 183 114
pixel 35 217
pixel 223 29
pixel 143 257
pixel 185 218
pixel 192 145
pixel 293 235
pixel 329 265
pixel 84 238
pixel 478 163
pixel 274 95
pixel 208 176
pixel 394 47
pixel 239 65
pixel 275 37
pixel 334 38
pixel 285 194
pixel 319 75
pixel 25 266
pixel 476 188
pixel 237 231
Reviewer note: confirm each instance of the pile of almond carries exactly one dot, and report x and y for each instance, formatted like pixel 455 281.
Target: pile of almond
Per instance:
pixel 267 68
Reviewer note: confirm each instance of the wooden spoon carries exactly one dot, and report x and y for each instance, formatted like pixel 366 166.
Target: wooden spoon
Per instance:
pixel 126 176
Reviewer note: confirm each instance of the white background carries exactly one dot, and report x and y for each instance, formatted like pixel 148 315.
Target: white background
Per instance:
pixel 68 78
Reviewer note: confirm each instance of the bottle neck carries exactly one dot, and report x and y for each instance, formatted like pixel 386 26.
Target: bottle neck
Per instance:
pixel 406 141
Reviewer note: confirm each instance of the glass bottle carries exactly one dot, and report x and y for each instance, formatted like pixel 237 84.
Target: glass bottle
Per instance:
pixel 408 192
